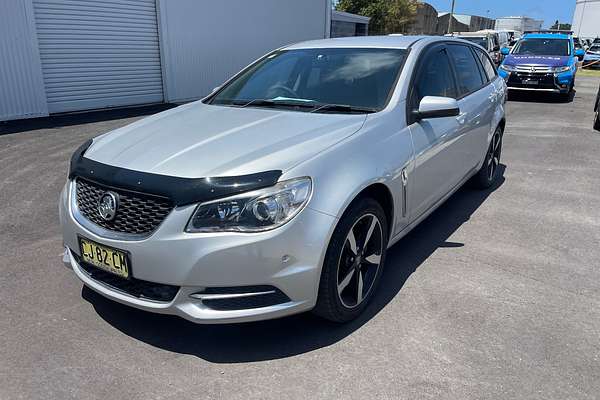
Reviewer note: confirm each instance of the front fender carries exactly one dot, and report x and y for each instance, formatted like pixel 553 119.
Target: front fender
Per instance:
pixel 376 154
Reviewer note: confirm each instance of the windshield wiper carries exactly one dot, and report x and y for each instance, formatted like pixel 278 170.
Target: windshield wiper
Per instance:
pixel 343 108
pixel 314 107
pixel 274 103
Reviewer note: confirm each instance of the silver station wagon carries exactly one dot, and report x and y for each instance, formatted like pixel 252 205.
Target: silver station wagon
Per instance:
pixel 281 192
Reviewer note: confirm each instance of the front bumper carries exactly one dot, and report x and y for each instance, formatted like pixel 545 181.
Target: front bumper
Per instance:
pixel 542 82
pixel 288 259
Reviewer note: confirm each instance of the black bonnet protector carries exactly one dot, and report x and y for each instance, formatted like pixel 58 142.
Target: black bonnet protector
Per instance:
pixel 181 191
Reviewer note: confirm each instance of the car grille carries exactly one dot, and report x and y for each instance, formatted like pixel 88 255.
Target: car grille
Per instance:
pixel 137 213
pixel 519 79
pixel 534 69
pixel 132 286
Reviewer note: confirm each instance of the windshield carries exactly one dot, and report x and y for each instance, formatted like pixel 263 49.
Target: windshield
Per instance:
pixel 316 79
pixel 482 41
pixel 543 47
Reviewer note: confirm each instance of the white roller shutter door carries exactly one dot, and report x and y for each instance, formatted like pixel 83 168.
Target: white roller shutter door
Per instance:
pixel 98 53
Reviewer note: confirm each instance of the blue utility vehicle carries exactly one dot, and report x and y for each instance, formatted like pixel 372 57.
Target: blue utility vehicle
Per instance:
pixel 543 61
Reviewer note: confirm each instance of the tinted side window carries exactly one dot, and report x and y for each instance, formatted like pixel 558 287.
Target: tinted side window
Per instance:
pixel 469 77
pixel 489 68
pixel 435 77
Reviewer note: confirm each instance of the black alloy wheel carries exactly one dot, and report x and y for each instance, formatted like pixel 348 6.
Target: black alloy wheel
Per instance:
pixel 359 261
pixel 354 262
pixel 488 173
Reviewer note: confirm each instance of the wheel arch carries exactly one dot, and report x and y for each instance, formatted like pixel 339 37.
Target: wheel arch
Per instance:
pixel 381 193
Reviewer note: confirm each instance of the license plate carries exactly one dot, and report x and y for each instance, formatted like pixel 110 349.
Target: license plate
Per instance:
pixel 106 258
pixel 530 82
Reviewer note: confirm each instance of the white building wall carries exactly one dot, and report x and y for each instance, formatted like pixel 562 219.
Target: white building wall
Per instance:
pixel 520 24
pixel 586 21
pixel 203 43
pixel 22 92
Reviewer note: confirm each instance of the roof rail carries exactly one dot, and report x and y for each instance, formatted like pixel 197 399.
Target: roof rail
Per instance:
pixel 555 31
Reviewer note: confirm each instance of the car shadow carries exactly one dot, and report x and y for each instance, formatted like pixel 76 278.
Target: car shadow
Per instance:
pixel 286 337
pixel 88 117
pixel 540 97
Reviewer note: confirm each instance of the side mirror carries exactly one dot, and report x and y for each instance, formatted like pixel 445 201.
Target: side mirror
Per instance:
pixel 505 51
pixel 580 53
pixel 436 107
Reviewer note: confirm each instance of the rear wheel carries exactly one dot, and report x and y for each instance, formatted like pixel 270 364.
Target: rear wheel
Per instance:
pixel 353 262
pixel 597 108
pixel 488 173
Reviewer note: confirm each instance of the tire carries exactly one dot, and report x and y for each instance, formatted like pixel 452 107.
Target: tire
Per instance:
pixel 597 109
pixel 340 269
pixel 485 177
pixel 567 96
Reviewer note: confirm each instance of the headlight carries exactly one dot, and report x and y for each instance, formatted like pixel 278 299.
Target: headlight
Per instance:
pixel 508 68
pixel 255 211
pixel 558 70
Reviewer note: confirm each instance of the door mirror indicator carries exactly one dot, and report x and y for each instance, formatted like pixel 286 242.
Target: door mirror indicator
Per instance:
pixel 436 107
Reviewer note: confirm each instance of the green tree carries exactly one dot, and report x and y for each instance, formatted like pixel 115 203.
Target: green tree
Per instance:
pixel 387 16
pixel 562 27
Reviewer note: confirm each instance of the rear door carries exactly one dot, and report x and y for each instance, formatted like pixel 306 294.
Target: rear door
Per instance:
pixel 495 91
pixel 475 96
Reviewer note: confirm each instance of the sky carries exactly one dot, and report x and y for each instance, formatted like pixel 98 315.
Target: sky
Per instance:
pixel 548 10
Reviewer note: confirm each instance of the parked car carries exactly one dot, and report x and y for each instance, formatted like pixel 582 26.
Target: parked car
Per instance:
pixel 513 37
pixel 579 45
pixel 282 191
pixel 592 56
pixel 597 110
pixel 545 62
pixel 488 40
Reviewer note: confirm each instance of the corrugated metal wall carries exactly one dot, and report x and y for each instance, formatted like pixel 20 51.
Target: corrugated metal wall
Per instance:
pixel 205 42
pixel 586 21
pixel 21 85
pixel 98 53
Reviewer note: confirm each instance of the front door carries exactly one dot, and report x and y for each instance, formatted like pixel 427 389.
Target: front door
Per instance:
pixel 436 155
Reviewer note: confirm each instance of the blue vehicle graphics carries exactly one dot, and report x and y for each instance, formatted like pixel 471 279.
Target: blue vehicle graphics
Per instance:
pixel 541 62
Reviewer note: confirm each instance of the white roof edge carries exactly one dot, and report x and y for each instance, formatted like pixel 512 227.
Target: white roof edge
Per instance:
pixel 388 42
pixel 349 17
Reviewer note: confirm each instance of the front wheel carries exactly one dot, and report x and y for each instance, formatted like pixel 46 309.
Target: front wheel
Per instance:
pixel 488 173
pixel 353 262
pixel 567 96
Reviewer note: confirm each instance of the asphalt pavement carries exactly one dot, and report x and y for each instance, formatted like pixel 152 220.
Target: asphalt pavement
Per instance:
pixel 495 296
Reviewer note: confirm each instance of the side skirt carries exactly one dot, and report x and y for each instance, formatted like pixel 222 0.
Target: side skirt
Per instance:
pixel 430 210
